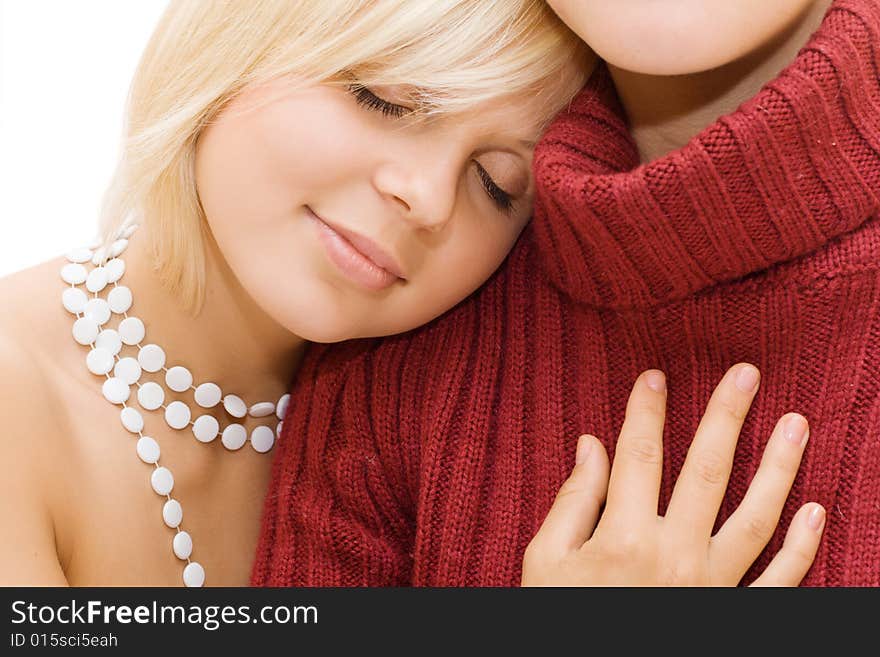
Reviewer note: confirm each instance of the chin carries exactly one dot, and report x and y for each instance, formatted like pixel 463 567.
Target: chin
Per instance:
pixel 321 334
pixel 686 36
pixel 318 323
pixel 660 53
pixel 661 66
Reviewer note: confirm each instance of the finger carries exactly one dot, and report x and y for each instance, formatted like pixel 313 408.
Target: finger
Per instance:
pixel 700 488
pixel 792 562
pixel 748 530
pixel 634 485
pixel 572 518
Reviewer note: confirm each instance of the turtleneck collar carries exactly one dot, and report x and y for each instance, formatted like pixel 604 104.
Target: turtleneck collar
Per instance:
pixel 788 171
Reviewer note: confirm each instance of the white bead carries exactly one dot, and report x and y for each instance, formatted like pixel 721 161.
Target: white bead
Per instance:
pixel 151 396
pixel 178 378
pixel 82 254
pixel 278 430
pixel 109 339
pixel 131 330
pixel 99 256
pixel 85 331
pixel 208 395
pixel 177 415
pixel 99 361
pixel 116 391
pixel 132 419
pixel 281 408
pixel 97 280
pixel 128 370
pixel 74 300
pixel 118 247
pixel 151 357
pixel 74 273
pixel 194 575
pixel 235 405
pixel 98 310
pixel 119 299
pixel 262 439
pixel 148 450
pixel 261 409
pixel 182 545
pixel 206 428
pixel 115 268
pixel 97 241
pixel 172 513
pixel 128 231
pixel 162 481
pixel 234 436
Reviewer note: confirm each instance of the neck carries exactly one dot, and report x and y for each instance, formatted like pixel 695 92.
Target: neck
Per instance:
pixel 230 341
pixel 666 112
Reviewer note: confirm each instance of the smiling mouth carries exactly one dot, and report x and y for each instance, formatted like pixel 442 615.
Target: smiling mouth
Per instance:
pixel 352 262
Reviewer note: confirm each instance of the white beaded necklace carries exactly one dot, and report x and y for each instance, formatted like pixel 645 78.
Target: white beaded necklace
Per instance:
pixel 106 344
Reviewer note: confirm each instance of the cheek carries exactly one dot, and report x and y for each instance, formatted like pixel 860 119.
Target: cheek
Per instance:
pixel 676 37
pixel 466 261
pixel 313 143
pixel 255 168
pixel 258 166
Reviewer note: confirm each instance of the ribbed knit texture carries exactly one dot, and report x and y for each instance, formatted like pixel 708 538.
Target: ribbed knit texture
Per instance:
pixel 432 458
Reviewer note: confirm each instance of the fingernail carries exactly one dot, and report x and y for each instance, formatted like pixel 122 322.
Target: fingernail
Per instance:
pixel 747 378
pixel 796 430
pixel 585 444
pixel 816 518
pixel 656 381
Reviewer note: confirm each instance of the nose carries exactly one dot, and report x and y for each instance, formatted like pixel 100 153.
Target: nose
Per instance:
pixel 421 185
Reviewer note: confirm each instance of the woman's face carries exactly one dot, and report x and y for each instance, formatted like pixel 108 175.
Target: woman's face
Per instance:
pixel 676 37
pixel 343 217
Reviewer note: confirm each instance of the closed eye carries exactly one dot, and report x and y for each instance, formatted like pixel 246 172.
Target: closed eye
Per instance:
pixel 366 98
pixel 503 200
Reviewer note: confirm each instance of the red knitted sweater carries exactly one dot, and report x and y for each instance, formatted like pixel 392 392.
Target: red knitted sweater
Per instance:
pixel 432 458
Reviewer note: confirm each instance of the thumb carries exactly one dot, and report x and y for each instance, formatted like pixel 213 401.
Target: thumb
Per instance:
pixel 575 511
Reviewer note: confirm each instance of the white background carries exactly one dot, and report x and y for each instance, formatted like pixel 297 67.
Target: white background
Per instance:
pixel 65 67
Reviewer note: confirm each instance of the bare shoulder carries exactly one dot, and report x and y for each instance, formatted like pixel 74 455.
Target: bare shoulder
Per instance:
pixel 22 339
pixel 31 450
pixel 27 336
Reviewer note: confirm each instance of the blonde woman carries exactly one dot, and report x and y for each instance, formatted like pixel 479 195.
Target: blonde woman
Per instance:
pixel 290 172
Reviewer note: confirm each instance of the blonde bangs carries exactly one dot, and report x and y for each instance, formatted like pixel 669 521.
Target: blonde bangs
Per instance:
pixel 457 54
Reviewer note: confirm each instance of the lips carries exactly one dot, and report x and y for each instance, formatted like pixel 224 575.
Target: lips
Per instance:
pixel 371 250
pixel 366 247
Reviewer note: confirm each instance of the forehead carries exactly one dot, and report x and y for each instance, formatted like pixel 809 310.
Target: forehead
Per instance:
pixel 524 114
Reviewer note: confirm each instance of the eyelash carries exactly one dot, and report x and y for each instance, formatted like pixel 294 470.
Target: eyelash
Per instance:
pixel 366 98
pixel 503 201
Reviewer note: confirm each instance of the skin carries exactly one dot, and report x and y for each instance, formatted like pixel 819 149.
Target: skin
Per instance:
pixel 77 504
pixel 678 65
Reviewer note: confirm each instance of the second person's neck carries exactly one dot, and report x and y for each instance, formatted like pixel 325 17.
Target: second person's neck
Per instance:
pixel 666 112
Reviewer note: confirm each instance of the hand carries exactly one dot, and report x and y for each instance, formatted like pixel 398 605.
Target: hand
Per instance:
pixel 632 546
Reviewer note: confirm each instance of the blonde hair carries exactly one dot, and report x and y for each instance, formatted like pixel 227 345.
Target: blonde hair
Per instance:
pixel 458 53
